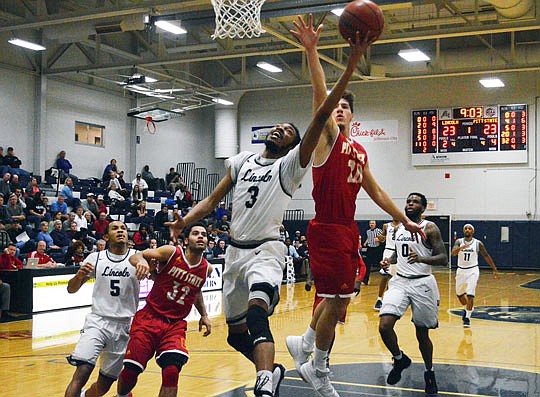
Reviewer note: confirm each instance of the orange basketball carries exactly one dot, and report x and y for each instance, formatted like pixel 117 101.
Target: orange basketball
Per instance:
pixel 361 16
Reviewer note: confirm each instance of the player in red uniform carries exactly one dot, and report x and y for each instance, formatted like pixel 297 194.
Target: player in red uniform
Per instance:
pixel 340 169
pixel 160 327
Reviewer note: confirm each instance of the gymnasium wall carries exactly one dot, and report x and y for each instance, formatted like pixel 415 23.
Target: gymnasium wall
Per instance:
pixel 489 192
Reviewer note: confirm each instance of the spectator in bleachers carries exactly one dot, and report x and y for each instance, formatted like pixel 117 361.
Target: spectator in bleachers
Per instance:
pixel 101 245
pixel 212 234
pixel 153 183
pixel 162 221
pixel 15 210
pixel 65 167
pixel 100 226
pixel 15 184
pixel 90 205
pixel 219 249
pixel 114 195
pixel 54 217
pixel 283 233
pixel 123 188
pixel 183 197
pixel 5 240
pixel 15 230
pixel 136 196
pixel 60 206
pixel 141 239
pixel 101 204
pixel 89 222
pixel 80 220
pixel 60 237
pixel 113 180
pixel 3 211
pixel 220 211
pixel 141 214
pixel 67 223
pixel 44 235
pixel 14 163
pixel 67 192
pixel 8 260
pixel 208 253
pixel 32 189
pixel 44 260
pixel 223 228
pixel 106 173
pixel 37 211
pixel 20 198
pixel 75 254
pixel 153 243
pixel 173 180
pixel 143 186
pixel 5 184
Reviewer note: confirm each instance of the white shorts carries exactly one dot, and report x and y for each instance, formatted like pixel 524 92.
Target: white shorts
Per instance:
pixel 422 294
pixel 246 270
pixel 105 337
pixel 466 280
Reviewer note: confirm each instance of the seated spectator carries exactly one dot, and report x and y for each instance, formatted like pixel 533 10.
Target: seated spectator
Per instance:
pixel 162 221
pixel 3 211
pixel 100 226
pixel 80 220
pixel 73 234
pixel 101 245
pixel 15 230
pixel 173 180
pixel 67 223
pixel 153 243
pixel 15 184
pixel 219 249
pixel 5 240
pixel 44 260
pixel 37 212
pixel 283 233
pixel 89 204
pixel 141 183
pixel 55 217
pixel 141 239
pixel 14 210
pixel 209 250
pixel 120 178
pixel 89 223
pixel 220 211
pixel 8 261
pixel 141 214
pixel 67 192
pixel 44 235
pixel 212 234
pixel 65 167
pixel 115 198
pixel 5 185
pixel 20 198
pixel 13 163
pixel 101 204
pixel 223 228
pixel 113 180
pixel 60 206
pixel 75 254
pixel 32 189
pixel 136 197
pixel 60 238
pixel 153 183
pixel 291 251
pixel 106 173
pixel 183 197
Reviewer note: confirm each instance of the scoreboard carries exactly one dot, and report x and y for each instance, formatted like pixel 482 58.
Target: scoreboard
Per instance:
pixel 470 135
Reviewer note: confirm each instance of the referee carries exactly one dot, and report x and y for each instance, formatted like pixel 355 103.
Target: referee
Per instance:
pixel 374 248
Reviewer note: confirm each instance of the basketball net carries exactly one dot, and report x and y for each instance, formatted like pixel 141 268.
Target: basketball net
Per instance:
pixel 150 125
pixel 237 18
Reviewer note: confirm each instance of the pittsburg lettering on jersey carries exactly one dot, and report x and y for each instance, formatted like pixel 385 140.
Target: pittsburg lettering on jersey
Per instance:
pixel 349 150
pixel 250 176
pixel 109 272
pixel 182 275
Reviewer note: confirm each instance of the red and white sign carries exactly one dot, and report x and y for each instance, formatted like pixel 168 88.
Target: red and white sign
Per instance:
pixel 375 131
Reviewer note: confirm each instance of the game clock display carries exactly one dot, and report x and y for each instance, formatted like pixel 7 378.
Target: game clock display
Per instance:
pixel 470 135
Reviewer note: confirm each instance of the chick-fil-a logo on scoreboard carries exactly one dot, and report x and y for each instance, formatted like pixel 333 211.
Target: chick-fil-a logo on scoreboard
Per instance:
pixel 375 131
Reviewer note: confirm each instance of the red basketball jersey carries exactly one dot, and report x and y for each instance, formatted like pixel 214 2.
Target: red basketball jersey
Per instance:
pixel 176 286
pixel 337 181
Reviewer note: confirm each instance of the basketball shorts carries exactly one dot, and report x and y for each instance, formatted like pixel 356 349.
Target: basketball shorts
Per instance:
pixel 466 280
pixel 422 294
pixel 334 258
pixel 151 333
pixel 246 267
pixel 105 337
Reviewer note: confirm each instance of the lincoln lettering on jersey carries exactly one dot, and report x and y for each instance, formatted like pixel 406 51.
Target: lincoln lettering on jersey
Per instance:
pixel 185 276
pixel 404 238
pixel 249 176
pixel 108 272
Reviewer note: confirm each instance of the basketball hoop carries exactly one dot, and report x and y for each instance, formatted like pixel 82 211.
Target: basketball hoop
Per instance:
pixel 237 18
pixel 150 125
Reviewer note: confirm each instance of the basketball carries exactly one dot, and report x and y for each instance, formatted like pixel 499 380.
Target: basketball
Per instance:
pixel 361 16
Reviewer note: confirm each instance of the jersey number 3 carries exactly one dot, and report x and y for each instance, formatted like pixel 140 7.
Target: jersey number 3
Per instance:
pixel 172 295
pixel 254 191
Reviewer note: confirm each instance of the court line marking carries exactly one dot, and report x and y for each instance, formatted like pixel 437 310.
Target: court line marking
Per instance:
pixel 396 388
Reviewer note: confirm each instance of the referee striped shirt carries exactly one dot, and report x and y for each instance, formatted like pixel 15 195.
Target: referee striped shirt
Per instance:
pixel 372 237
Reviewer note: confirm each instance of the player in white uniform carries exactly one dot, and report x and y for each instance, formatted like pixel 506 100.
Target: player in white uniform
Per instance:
pixel 466 249
pixel 388 235
pixel 115 298
pixel 263 187
pixel 413 285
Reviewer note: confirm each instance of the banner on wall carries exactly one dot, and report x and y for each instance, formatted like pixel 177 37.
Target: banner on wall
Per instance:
pixel 375 131
pixel 258 134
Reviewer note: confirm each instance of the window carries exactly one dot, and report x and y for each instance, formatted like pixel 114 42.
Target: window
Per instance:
pixel 89 134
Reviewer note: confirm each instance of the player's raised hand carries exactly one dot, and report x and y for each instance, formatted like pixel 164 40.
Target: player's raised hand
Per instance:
pixel 305 33
pixel 85 271
pixel 176 227
pixel 415 230
pixel 205 321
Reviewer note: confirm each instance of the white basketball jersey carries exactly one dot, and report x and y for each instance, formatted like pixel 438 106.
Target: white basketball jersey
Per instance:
pixel 405 242
pixel 390 243
pixel 263 190
pixel 468 257
pixel 116 289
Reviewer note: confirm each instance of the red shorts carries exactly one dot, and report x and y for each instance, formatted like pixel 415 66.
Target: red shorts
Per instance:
pixel 333 258
pixel 151 333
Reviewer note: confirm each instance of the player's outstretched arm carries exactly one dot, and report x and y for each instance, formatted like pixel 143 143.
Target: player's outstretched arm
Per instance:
pixel 204 320
pixel 488 259
pixel 313 133
pixel 150 256
pixel 81 277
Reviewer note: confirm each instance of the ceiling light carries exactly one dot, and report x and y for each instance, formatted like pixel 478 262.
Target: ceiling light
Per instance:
pixel 27 44
pixel 338 11
pixel 148 79
pixel 222 101
pixel 413 55
pixel 169 90
pixel 269 67
pixel 492 82
pixel 170 26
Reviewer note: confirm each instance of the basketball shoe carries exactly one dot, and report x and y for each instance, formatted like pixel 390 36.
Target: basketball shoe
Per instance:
pixel 277 376
pixel 295 347
pixel 320 381
pixel 466 322
pixel 431 383
pixel 399 365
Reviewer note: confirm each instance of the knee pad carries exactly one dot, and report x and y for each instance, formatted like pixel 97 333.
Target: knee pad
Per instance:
pixel 176 359
pixel 266 293
pixel 242 343
pixel 129 374
pixel 169 376
pixel 258 326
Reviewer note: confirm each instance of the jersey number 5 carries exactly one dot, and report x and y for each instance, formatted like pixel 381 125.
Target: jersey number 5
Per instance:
pixel 115 287
pixel 254 191
pixel 172 295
